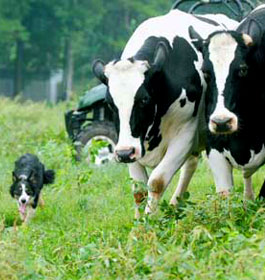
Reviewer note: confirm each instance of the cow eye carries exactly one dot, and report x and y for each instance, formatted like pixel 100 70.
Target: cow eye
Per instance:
pixel 243 71
pixel 144 101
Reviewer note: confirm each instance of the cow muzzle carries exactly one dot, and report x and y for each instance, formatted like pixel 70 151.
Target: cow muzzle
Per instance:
pixel 223 124
pixel 125 154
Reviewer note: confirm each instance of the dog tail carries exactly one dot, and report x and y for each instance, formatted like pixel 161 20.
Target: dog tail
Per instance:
pixel 49 176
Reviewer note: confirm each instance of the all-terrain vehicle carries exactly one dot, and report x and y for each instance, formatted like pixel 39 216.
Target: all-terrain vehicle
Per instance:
pixel 92 121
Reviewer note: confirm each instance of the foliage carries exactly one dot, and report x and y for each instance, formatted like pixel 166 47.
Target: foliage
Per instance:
pixel 44 26
pixel 86 229
pixel 95 147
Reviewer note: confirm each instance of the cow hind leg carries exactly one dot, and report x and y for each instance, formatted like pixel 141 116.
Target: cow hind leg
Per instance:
pixel 262 191
pixel 139 175
pixel 248 189
pixel 186 174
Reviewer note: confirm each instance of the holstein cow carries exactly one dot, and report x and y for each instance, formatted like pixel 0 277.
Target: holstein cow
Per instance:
pixel 234 67
pixel 155 89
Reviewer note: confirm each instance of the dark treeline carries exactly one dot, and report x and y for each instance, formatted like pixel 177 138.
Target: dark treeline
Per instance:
pixel 45 35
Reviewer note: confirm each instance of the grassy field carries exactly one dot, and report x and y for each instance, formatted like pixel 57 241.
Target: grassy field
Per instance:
pixel 87 230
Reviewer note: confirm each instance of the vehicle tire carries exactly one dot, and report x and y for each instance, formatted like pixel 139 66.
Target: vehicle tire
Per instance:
pixel 99 131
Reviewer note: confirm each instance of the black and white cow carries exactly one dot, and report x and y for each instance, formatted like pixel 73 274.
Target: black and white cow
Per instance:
pixel 156 89
pixel 234 67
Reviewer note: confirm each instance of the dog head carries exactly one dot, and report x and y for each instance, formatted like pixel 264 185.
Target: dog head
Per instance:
pixel 23 190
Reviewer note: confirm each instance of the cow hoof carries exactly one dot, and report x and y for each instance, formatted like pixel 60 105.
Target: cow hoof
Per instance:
pixel 224 194
pixel 137 214
pixel 249 196
pixel 148 210
pixel 173 202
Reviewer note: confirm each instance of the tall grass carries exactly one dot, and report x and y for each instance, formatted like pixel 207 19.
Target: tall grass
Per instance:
pixel 87 231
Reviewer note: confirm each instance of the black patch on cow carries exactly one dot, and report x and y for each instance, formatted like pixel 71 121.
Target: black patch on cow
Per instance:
pixel 187 77
pixel 207 20
pixel 114 110
pixel 164 87
pixel 182 102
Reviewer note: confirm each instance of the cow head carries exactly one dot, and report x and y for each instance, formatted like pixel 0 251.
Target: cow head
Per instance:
pixel 226 71
pixel 129 95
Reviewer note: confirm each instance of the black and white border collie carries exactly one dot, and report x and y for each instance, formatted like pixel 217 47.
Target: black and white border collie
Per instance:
pixel 29 176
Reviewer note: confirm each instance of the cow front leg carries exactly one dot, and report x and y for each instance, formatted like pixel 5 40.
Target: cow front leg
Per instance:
pixel 139 175
pixel 222 172
pixel 186 174
pixel 178 151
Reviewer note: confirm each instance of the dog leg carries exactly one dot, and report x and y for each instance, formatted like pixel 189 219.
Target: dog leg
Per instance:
pixel 30 213
pixel 41 202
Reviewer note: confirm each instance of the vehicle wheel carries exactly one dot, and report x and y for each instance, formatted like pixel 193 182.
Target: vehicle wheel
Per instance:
pixel 96 142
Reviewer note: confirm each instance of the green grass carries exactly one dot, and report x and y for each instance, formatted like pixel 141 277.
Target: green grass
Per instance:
pixel 87 230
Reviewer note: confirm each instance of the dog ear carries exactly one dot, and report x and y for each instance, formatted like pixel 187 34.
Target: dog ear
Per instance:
pixel 14 177
pixel 32 178
pixel 12 190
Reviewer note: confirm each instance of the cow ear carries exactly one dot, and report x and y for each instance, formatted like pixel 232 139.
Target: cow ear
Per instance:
pixel 196 39
pixel 160 56
pixel 98 68
pixel 14 176
pixel 254 31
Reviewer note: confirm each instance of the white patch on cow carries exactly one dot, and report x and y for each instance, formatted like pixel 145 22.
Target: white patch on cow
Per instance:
pixel 223 20
pixel 222 49
pixel 222 171
pixel 125 78
pixel 175 23
pixel 22 176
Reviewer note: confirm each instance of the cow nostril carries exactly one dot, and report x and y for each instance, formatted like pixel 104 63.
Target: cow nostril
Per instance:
pixel 132 151
pixel 221 121
pixel 125 155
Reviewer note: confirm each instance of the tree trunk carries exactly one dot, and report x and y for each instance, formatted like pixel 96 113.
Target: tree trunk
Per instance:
pixel 68 68
pixel 18 77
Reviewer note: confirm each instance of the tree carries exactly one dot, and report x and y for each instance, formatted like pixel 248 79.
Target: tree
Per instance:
pixel 44 35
